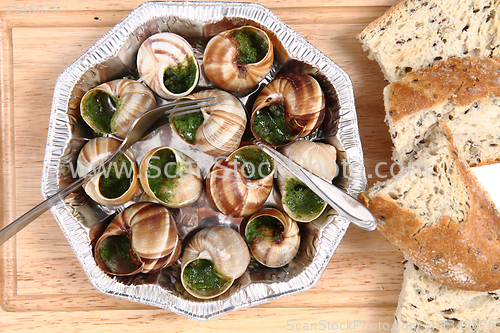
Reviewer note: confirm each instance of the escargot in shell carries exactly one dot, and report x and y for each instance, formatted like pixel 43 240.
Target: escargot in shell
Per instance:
pixel 115 185
pixel 288 108
pixel 216 130
pixel 240 184
pixel 141 239
pixel 112 107
pixel 171 177
pixel 238 59
pixel 297 199
pixel 273 237
pixel 213 258
pixel 167 65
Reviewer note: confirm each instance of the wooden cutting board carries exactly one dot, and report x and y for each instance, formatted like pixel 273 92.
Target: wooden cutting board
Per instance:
pixel 42 285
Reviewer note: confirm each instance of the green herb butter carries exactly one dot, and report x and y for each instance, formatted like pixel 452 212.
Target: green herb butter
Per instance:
pixel 115 253
pixel 300 199
pixel 270 126
pixel 116 183
pixel 264 226
pixel 187 125
pixel 256 163
pixel 163 182
pixel 179 78
pixel 99 108
pixel 200 275
pixel 252 48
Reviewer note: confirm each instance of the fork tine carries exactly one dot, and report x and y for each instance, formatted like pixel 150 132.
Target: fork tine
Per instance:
pixel 188 109
pixel 188 101
pixel 140 126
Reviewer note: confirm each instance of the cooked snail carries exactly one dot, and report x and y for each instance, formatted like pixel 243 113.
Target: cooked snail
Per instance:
pixel 240 184
pixel 167 65
pixel 238 59
pixel 288 108
pixel 141 239
pixel 216 130
pixel 212 260
pixel 273 237
pixel 115 185
pixel 112 107
pixel 171 177
pixel 298 200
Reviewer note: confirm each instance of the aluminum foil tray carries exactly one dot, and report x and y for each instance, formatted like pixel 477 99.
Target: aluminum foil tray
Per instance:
pixel 114 56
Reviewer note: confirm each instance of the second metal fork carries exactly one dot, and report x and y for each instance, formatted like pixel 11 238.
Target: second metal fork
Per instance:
pixel 139 129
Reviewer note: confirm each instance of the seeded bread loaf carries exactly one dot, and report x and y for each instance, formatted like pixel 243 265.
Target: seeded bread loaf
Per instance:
pixel 462 92
pixel 417 33
pixel 447 224
pixel 440 216
pixel 428 306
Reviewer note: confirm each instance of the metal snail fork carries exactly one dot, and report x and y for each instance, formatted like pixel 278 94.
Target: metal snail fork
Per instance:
pixel 139 129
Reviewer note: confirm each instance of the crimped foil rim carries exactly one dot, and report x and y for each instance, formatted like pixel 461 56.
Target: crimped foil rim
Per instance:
pixel 59 134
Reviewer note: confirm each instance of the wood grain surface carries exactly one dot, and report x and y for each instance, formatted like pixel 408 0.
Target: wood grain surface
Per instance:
pixel 42 285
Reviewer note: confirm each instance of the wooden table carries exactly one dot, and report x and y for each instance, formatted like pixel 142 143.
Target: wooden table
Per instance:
pixel 42 285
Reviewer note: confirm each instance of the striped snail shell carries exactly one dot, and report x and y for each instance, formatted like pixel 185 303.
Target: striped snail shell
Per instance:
pixel 167 65
pixel 290 107
pixel 141 239
pixel 297 199
pixel 115 185
pixel 240 184
pixel 273 237
pixel 220 127
pixel 212 260
pixel 170 177
pixel 238 59
pixel 112 107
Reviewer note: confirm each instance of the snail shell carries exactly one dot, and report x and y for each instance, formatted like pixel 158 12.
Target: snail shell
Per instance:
pixel 303 104
pixel 118 183
pixel 223 124
pixel 167 65
pixel 141 239
pixel 171 177
pixel 224 63
pixel 112 107
pixel 225 249
pixel 318 158
pixel 234 194
pixel 273 237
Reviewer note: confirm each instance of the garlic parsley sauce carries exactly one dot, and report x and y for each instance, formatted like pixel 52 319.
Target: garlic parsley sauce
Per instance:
pixel 187 125
pixel 100 107
pixel 200 275
pixel 163 181
pixel 270 125
pixel 300 199
pixel 115 254
pixel 116 181
pixel 252 48
pixel 256 164
pixel 179 78
pixel 264 226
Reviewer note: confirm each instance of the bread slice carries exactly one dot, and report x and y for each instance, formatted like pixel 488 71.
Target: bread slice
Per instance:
pixel 417 33
pixel 440 216
pixel 462 92
pixel 428 306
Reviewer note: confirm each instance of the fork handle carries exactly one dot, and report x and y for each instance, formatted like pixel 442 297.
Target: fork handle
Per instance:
pixel 28 217
pixel 346 204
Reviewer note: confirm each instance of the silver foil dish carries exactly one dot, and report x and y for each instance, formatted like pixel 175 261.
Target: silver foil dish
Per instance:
pixel 114 56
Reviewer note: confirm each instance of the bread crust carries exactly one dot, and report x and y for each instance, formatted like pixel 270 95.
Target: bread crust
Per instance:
pixel 462 254
pixel 384 20
pixel 462 81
